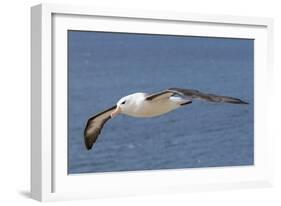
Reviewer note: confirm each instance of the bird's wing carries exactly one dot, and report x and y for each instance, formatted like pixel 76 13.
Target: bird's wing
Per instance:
pixel 160 95
pixel 191 93
pixel 95 125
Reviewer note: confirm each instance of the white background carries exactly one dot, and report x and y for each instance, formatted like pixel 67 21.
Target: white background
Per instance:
pixel 15 102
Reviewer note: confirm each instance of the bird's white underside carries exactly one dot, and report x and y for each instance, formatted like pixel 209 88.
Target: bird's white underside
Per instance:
pixel 137 105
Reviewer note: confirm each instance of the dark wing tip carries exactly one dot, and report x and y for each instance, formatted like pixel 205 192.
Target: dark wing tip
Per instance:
pixel 243 102
pixel 88 143
pixel 236 101
pixel 88 140
pixel 91 137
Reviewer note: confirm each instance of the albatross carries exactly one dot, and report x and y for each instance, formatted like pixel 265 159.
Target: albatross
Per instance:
pixel 145 105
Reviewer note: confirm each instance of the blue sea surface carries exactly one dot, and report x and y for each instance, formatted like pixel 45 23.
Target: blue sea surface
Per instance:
pixel 103 67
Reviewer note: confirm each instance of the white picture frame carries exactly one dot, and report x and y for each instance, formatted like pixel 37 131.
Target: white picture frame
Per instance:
pixel 49 178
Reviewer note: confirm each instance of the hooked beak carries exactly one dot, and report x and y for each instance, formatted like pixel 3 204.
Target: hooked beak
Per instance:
pixel 116 112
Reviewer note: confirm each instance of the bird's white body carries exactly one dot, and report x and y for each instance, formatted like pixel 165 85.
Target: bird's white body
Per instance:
pixel 137 105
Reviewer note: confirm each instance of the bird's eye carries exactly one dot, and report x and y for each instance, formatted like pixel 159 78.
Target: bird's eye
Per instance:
pixel 123 102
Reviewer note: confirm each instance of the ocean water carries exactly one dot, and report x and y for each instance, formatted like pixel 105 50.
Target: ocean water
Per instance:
pixel 103 67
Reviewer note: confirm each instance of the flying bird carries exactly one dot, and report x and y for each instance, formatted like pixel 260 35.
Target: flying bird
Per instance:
pixel 149 105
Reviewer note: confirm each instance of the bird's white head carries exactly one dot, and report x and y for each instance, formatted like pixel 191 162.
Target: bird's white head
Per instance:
pixel 128 104
pixel 121 106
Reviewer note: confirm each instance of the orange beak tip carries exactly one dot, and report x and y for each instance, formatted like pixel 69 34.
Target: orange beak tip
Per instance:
pixel 115 113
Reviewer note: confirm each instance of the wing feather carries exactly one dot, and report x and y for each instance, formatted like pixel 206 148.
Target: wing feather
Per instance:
pixel 205 96
pixel 160 95
pixel 95 125
pixel 192 94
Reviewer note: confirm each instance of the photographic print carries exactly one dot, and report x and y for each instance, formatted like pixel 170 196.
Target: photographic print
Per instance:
pixel 151 102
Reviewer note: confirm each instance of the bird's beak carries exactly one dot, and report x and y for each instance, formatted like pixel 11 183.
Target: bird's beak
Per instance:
pixel 116 112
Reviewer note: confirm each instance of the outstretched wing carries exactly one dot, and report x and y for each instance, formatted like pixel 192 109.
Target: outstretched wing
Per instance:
pixel 192 94
pixel 95 125
pixel 205 96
